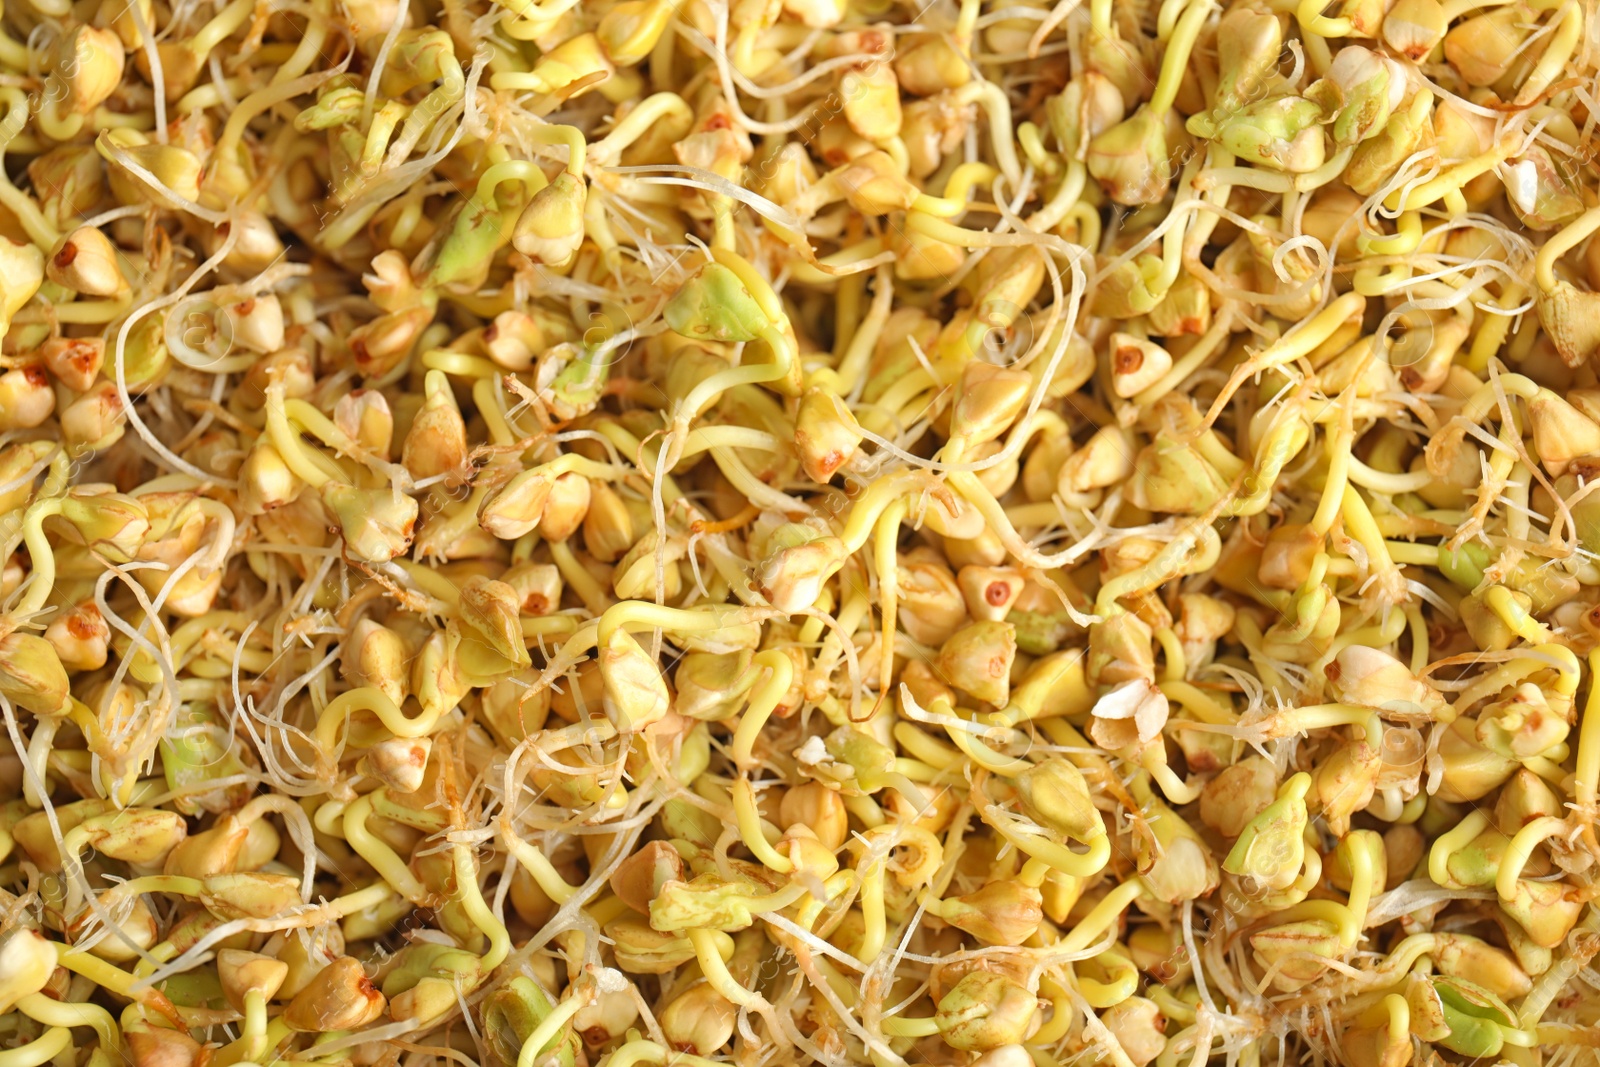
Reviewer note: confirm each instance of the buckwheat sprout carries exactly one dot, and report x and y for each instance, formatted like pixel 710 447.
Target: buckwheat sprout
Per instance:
pixel 176 326
pixel 376 192
pixel 39 230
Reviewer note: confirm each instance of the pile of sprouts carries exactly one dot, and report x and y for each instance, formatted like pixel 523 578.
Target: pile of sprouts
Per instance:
pixel 669 533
